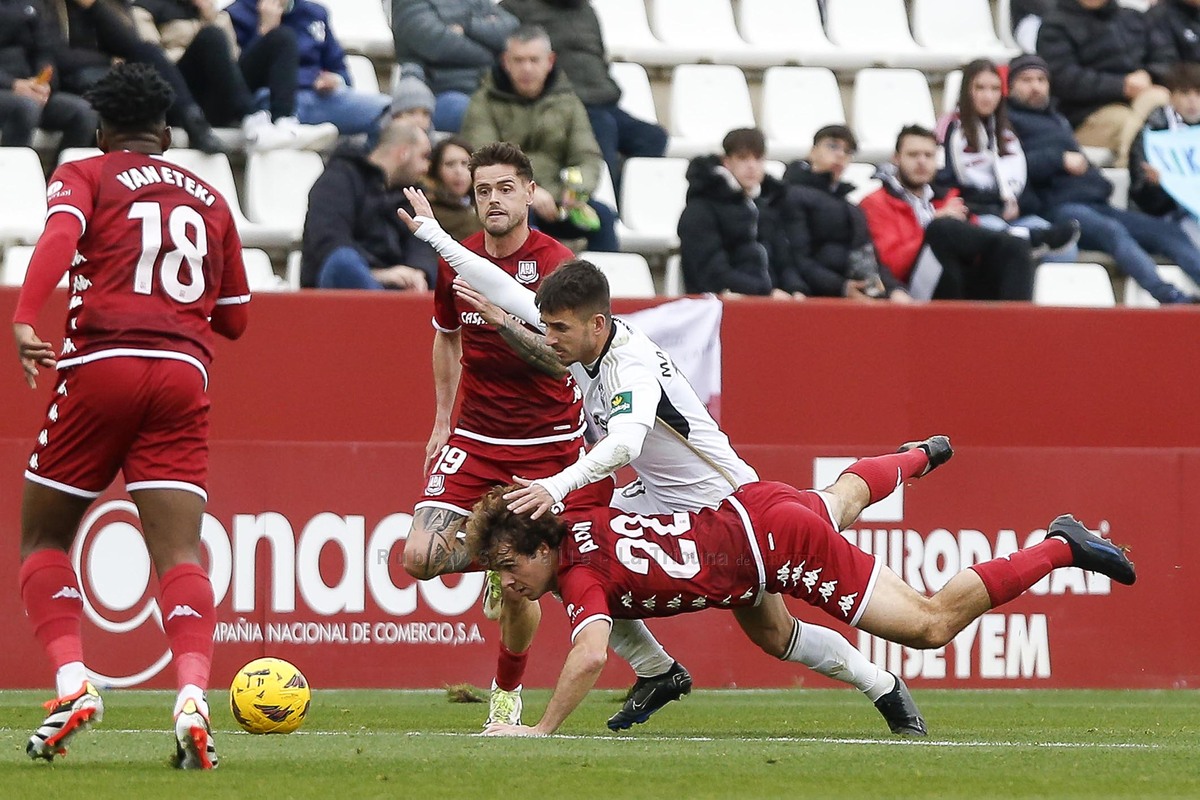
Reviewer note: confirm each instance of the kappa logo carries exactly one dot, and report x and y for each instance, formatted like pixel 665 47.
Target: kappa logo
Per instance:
pixel 66 593
pixel 527 271
pixel 183 611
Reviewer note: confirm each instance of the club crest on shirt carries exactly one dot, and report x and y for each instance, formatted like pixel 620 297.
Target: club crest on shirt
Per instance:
pixel 436 485
pixel 527 271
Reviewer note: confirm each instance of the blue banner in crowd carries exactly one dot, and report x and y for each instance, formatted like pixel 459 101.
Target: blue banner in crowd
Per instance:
pixel 1176 156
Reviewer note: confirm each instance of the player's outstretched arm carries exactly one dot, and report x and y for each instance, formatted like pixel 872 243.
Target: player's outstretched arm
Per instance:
pixel 528 344
pixel 494 283
pixel 579 674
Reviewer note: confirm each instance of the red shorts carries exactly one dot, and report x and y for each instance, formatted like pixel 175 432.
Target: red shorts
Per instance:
pixel 145 416
pixel 467 469
pixel 803 554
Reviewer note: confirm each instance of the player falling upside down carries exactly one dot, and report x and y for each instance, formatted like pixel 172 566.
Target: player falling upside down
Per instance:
pixel 766 540
pixel 653 420
pixel 155 268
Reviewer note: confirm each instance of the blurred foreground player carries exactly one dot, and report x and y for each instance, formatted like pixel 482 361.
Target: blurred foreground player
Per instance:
pixel 155 268
pixel 765 540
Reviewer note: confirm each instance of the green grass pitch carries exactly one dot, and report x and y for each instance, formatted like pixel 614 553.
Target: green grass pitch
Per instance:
pixel 797 744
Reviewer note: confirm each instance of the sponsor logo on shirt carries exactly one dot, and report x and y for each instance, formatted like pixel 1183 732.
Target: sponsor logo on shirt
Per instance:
pixel 55 190
pixel 527 271
pixel 622 403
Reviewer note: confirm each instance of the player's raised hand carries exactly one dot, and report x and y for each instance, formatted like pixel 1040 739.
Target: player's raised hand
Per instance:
pixel 492 314
pixel 421 208
pixel 504 729
pixel 531 497
pixel 32 352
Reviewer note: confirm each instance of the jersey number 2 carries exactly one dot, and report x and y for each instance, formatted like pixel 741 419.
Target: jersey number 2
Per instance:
pixel 192 250
pixel 634 551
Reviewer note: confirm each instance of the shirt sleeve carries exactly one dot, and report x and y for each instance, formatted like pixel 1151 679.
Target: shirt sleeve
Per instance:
pixel 72 190
pixel 445 312
pixel 583 597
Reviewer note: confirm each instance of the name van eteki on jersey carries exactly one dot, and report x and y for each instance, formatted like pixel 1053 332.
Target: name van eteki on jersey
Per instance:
pixel 137 177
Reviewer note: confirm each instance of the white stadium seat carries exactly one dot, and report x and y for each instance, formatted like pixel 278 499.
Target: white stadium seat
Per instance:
pixel 861 176
pixel 361 26
pixel 1119 177
pixel 628 273
pixel 23 201
pixel 673 281
pixel 876 31
pixel 703 30
pixel 293 269
pixel 277 186
pixel 216 171
pixel 637 98
pixel 775 168
pixel 1081 285
pixel 962 30
pixel 626 33
pixel 951 90
pixel 78 154
pixel 260 277
pixel 707 101
pixel 885 100
pixel 796 103
pixel 653 191
pixel 363 77
pixel 1004 24
pixel 1138 297
pixel 16 264
pixel 605 192
pixel 789 31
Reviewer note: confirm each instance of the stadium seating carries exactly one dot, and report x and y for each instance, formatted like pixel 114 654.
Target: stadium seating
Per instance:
pixel 260 277
pixel 790 32
pixel 1119 177
pixel 628 273
pixel 673 280
pixel 1080 285
pixel 1004 24
pixel 1136 296
pixel 627 36
pixel 23 201
pixel 703 30
pixel 960 29
pixel 885 100
pixel 293 269
pixel 653 191
pixel 363 77
pixel 796 102
pixel 277 185
pixel 637 98
pixel 707 101
pixel 605 190
pixel 16 264
pixel 861 175
pixel 950 91
pixel 876 32
pixel 361 27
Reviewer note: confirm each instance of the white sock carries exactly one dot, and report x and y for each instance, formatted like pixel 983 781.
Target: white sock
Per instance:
pixel 191 692
pixel 70 677
pixel 632 641
pixel 829 653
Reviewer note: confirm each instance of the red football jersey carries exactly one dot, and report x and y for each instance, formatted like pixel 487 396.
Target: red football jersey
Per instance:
pixel 159 252
pixel 501 396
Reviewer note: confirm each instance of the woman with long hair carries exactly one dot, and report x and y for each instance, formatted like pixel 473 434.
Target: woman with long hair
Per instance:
pixel 449 183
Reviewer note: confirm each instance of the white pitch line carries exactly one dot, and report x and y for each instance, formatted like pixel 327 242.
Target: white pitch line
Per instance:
pixel 746 739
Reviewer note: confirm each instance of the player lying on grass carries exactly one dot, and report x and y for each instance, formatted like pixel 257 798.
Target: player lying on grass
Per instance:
pixel 765 540
pixel 650 418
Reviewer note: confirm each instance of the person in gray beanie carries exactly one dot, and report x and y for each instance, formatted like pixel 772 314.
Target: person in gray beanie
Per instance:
pixel 412 99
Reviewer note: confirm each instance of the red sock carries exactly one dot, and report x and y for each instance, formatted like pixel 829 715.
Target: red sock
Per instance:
pixel 1007 578
pixel 884 473
pixel 50 592
pixel 186 600
pixel 510 668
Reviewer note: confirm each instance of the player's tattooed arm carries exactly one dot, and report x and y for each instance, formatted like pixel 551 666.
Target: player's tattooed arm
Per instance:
pixel 530 346
pixel 445 553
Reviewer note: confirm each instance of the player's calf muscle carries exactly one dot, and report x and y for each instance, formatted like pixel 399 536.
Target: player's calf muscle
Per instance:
pixel 433 547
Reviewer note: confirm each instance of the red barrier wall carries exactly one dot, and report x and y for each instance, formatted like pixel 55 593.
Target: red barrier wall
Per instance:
pixel 322 410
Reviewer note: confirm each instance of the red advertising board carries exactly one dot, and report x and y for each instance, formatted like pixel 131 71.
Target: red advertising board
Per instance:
pixel 322 411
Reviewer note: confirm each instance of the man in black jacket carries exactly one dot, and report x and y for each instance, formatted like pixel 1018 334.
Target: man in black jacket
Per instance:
pixel 1106 67
pixel 1178 22
pixel 352 236
pixel 731 232
pixel 29 86
pixel 828 235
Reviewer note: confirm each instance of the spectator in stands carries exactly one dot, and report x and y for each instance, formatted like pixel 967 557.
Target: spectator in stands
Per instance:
pixel 449 188
pixel 201 42
pixel 527 100
pixel 412 100
pixel 984 161
pixel 827 234
pixel 352 236
pixel 1067 186
pixel 918 228
pixel 577 41
pixel 99 33
pixel 732 238
pixel 1105 63
pixel 1026 17
pixel 457 42
pixel 30 93
pixel 304 53
pixel 1145 192
pixel 1178 22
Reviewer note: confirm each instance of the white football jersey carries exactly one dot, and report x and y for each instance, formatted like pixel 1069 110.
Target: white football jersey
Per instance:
pixel 686 460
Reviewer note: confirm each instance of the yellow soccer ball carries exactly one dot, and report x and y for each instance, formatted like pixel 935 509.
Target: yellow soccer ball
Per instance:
pixel 269 695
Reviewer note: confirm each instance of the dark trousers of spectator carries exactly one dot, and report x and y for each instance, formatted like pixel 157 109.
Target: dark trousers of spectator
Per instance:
pixel 69 113
pixel 620 134
pixel 979 264
pixel 213 76
pixel 602 240
pixel 273 63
